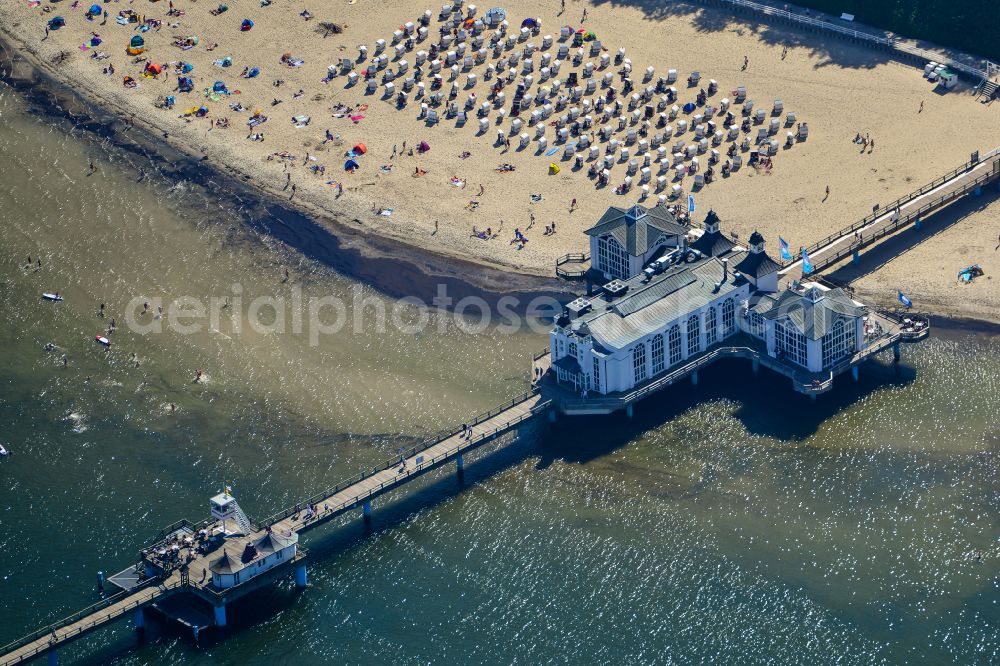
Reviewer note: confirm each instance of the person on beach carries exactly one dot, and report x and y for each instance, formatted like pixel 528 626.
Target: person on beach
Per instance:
pixel 921 109
pixel 746 63
pixel 572 206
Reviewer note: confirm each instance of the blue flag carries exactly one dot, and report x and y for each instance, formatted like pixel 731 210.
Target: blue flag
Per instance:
pixel 690 203
pixel 786 255
pixel 807 266
pixel 904 300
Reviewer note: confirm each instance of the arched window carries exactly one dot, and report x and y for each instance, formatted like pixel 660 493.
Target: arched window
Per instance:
pixel 612 257
pixel 711 327
pixel 658 358
pixel 639 362
pixel 728 317
pixel 674 341
pixel 694 335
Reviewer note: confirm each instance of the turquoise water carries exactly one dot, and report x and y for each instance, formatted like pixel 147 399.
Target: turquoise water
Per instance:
pixel 732 523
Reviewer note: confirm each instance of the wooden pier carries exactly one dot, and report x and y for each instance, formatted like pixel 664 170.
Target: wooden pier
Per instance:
pixel 186 573
pixel 907 211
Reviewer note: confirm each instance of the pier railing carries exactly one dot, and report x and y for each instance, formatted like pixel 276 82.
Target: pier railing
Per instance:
pixel 572 258
pixel 904 219
pixel 409 453
pixel 898 203
pixel 81 614
pixel 889 43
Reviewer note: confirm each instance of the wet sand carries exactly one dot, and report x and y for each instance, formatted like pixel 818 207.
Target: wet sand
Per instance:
pixel 838 88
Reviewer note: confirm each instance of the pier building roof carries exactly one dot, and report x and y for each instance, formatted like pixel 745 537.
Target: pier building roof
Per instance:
pixel 637 228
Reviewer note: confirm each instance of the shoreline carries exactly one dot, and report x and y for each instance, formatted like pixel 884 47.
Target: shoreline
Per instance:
pixel 391 266
pixel 415 271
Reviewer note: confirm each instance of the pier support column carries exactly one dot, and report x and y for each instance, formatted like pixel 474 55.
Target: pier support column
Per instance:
pixel 895 352
pixel 140 620
pixel 856 257
pixel 916 223
pixel 220 615
pixel 854 373
pixel 629 410
pixel 460 463
pixel 100 582
pixel 756 365
pixel 53 658
pixel 366 511
pixel 553 415
pixel 812 396
pixel 694 378
pixel 148 568
pixel 978 191
pixel 300 576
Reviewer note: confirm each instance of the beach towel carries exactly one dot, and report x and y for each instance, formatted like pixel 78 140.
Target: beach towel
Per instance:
pixel 386 212
pixel 552 152
pixel 357 119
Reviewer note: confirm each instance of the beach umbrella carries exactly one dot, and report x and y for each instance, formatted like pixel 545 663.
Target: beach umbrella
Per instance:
pixel 153 68
pixel 187 67
pixel 529 23
pixel 56 22
pixel 350 165
pixel 219 86
pixel 95 10
pixel 360 149
pixel 246 25
pixel 423 146
pixel 689 107
pixel 254 71
pixel 137 42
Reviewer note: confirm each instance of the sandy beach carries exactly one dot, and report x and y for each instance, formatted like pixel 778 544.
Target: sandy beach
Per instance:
pixel 839 89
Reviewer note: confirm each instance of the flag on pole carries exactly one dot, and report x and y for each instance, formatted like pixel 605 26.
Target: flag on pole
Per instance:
pixel 786 255
pixel 807 266
pixel 690 203
pixel 904 300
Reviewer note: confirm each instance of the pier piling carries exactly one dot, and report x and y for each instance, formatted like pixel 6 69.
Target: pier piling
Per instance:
pixel 366 511
pixel 694 378
pixel 460 463
pixel 53 658
pixel 854 373
pixel 220 615
pixel 629 410
pixel 856 257
pixel 895 352
pixel 301 576
pixel 140 620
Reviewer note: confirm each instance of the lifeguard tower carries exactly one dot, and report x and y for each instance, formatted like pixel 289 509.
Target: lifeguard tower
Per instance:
pixel 227 511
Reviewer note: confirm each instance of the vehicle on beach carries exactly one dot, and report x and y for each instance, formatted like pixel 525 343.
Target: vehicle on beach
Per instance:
pixel 52 297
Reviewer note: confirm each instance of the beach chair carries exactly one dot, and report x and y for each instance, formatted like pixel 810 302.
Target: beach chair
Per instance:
pixel 778 108
pixel 759 116
pixel 803 131
pixel 702 146
pixel 524 141
pixel 694 166
pixel 623 154
pixel 773 126
pixel 529 49
pixel 790 119
pixel 539 130
pixel 761 136
pixel 445 13
pixel 546 42
pixel 543 143
pixel 699 180
pixel 563 52
pixel 679 171
pixel 523 35
pixel 568 151
pixel 564 32
pixel 402 67
pixel 423 111
pixel 717 138
pixel 563 135
pixel 671 75
pixel 397 36
pixel 737 162
pixel 422 33
pixel 643 146
pixel 772 147
pixel 713 157
pixel 740 94
pixel 515 125
pixel 682 126
pixel 733 133
pixel 470 81
pixel 691 150
pixel 583 141
pixel 699 131
pixel 633 165
pixel 372 86
pixel 484 125
pixel 593 153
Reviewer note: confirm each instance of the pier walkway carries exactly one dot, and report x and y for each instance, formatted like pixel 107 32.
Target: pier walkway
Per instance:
pixel 312 512
pixel 908 210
